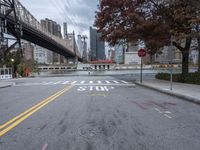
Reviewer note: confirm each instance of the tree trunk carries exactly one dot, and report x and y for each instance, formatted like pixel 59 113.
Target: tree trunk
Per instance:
pixel 185 54
pixel 185 62
pixel 198 39
pixel 151 58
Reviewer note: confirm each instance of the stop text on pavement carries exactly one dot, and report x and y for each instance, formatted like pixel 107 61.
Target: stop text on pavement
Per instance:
pixel 95 88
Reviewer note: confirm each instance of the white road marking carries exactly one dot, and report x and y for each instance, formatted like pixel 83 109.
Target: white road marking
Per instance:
pixel 65 82
pixel 115 81
pixel 95 88
pixel 100 88
pixel 158 110
pixel 107 82
pixel 95 83
pixel 82 82
pixel 165 113
pixel 82 88
pixel 57 82
pixel 168 112
pixel 124 82
pixel 74 82
pixel 167 116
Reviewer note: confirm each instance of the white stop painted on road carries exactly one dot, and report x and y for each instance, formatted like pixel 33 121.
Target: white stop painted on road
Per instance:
pixel 95 88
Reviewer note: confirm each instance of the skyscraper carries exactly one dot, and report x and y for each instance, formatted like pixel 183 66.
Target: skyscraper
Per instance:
pixel 97 46
pixel 65 30
pixel 80 44
pixel 28 49
pixel 54 29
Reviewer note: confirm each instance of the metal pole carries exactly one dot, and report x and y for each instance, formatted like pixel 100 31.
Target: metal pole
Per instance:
pixel 141 70
pixel 171 66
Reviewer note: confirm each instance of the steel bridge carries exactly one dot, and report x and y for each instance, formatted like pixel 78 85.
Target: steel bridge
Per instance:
pixel 17 21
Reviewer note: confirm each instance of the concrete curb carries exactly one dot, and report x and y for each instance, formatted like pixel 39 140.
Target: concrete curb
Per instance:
pixel 171 93
pixel 7 85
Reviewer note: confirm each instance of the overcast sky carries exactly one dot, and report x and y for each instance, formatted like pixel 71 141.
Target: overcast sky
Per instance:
pixel 79 14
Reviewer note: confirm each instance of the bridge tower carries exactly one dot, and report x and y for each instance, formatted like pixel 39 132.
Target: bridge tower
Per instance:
pixel 84 57
pixel 75 48
pixel 8 10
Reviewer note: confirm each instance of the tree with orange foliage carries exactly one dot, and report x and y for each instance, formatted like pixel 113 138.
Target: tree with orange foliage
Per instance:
pixel 153 21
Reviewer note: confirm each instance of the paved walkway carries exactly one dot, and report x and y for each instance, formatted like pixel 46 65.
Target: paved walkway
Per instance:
pixel 188 92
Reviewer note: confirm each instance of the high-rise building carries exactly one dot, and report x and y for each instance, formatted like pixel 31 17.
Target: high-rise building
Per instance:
pixel 85 51
pixel 97 46
pixel 65 30
pixel 40 55
pixel 58 30
pixel 80 44
pixel 28 50
pixel 54 29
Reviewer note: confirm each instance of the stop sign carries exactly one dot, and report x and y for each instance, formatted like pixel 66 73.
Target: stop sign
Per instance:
pixel 141 53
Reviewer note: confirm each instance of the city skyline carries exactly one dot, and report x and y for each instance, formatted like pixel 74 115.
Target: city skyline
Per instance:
pixel 78 20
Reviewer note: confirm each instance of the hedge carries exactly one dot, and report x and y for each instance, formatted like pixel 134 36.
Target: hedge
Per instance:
pixel 191 78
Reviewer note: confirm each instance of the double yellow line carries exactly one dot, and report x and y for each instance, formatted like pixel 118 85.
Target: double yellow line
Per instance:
pixel 4 128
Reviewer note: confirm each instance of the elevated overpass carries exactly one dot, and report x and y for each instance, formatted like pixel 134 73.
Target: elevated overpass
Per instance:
pixel 17 18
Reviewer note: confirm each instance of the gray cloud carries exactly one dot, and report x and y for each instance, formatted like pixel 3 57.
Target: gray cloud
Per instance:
pixel 79 14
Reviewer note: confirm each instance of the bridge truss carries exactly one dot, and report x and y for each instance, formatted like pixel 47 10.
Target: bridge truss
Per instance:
pixel 17 21
pixel 7 8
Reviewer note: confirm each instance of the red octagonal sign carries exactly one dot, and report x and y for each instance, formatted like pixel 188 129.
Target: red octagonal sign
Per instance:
pixel 142 53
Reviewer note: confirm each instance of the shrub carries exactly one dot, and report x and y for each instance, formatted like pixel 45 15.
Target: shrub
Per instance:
pixel 191 78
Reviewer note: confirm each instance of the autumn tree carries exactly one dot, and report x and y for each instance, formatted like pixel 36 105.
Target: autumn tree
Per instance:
pixel 153 21
pixel 119 20
pixel 180 16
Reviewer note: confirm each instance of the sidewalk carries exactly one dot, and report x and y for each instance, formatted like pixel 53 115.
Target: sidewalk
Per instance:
pixel 189 92
pixel 4 84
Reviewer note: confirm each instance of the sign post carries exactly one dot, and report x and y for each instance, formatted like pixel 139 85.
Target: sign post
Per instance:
pixel 141 69
pixel 171 65
pixel 141 54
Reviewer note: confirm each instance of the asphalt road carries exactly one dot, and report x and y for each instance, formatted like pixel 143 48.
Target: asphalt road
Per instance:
pixel 94 113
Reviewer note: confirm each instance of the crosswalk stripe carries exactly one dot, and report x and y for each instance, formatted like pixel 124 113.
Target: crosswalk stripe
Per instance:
pixel 74 82
pixel 57 82
pixel 124 82
pixel 65 82
pixel 107 82
pixel 115 81
pixel 47 83
pixel 82 82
